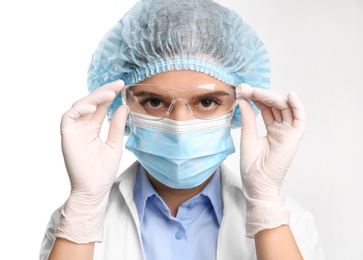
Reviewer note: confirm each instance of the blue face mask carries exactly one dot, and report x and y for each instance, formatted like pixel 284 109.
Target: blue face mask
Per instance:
pixel 180 154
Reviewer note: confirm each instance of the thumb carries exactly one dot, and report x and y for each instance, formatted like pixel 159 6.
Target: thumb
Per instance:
pixel 298 112
pixel 117 128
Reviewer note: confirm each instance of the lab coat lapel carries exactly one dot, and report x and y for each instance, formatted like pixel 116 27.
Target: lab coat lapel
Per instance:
pixel 232 242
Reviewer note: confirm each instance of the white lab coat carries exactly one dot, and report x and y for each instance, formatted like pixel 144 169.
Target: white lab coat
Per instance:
pixel 122 237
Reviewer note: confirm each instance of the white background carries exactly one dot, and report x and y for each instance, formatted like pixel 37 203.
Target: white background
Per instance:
pixel 316 50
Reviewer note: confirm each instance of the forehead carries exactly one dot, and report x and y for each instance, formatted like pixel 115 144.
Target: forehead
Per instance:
pixel 180 79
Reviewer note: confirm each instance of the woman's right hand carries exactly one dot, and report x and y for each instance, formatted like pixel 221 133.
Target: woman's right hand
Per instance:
pixel 92 164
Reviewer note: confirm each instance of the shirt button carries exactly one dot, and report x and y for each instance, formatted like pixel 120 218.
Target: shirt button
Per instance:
pixel 179 235
pixel 193 204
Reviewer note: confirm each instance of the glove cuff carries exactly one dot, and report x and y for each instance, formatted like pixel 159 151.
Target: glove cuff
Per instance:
pixel 263 215
pixel 81 223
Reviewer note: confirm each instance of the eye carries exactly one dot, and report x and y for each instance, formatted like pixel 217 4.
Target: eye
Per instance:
pixel 208 104
pixel 152 103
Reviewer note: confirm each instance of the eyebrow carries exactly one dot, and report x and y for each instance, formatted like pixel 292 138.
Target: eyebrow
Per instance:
pixel 213 94
pixel 201 95
pixel 147 94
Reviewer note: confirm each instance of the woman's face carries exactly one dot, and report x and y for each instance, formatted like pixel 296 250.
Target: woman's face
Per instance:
pixel 181 80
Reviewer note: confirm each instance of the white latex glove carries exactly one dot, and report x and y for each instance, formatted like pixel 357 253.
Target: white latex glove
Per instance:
pixel 265 160
pixel 91 164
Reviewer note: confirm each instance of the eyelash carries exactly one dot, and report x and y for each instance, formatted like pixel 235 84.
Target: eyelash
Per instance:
pixel 213 99
pixel 148 99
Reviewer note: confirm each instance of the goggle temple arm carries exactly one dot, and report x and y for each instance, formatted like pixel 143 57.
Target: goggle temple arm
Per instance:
pixel 238 89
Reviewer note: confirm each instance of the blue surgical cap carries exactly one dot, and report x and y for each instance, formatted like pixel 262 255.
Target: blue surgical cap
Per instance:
pixel 156 36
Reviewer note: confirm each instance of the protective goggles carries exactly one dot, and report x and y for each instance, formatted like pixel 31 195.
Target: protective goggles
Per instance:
pixel 205 101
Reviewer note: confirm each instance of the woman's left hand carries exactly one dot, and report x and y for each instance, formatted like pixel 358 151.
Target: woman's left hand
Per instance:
pixel 265 160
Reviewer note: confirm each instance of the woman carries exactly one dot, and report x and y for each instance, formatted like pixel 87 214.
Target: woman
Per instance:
pixel 174 76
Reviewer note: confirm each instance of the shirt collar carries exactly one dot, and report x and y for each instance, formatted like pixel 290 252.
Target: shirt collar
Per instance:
pixel 213 191
pixel 143 190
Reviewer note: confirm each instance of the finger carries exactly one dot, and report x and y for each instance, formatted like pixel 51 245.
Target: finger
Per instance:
pixel 266 97
pixel 102 107
pixel 287 116
pixel 115 86
pixel 99 100
pixel 277 114
pixel 298 112
pixel 266 113
pixel 117 128
pixel 271 114
pixel 248 120
pixel 77 112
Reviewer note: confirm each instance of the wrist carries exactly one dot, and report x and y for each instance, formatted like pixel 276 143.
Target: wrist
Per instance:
pixel 263 185
pixel 265 214
pixel 81 219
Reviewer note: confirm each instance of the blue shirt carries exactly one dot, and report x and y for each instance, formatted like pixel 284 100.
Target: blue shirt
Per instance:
pixel 192 234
